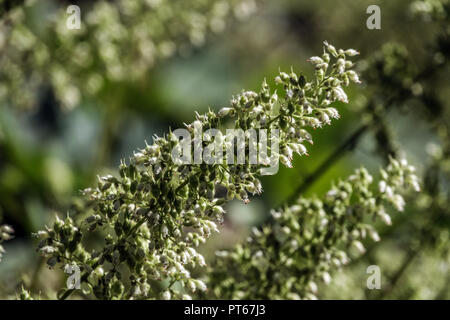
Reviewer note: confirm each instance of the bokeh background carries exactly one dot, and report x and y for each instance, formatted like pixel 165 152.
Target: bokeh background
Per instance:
pixel 67 115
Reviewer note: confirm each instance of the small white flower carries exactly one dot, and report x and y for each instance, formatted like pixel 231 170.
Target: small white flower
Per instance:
pixel 164 231
pixel 326 277
pixel 222 253
pixel 191 285
pixel 299 148
pixel 389 192
pixel 286 161
pixel 374 235
pixel 313 286
pixel 386 218
pixel 331 49
pixel 325 118
pixel 275 214
pixel 332 193
pixel 399 202
pixel 340 64
pixel 313 122
pixel 257 110
pixel 358 245
pixel 288 152
pixel 201 260
pixel 340 94
pixel 48 250
pixel 191 252
pixel 315 60
pixel 415 185
pixel 332 112
pixel 6 228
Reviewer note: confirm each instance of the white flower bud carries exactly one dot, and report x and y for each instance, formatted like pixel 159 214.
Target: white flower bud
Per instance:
pixel 385 218
pixel 359 246
pixel 273 98
pixel 201 285
pixel 326 277
pixel 191 285
pixel 340 94
pixel 256 111
pixel 285 161
pixel 315 60
pixel 275 214
pixel 7 229
pixel 212 225
pixel 312 286
pixel 324 118
pixel 191 251
pixel 389 193
pixel 288 152
pixel 332 112
pixel 300 149
pixel 224 112
pixel 331 49
pixel 99 272
pixel 340 64
pixel 399 202
pixel 415 185
pixel 374 235
pixel 164 231
pixel 201 260
pixel 313 122
pixel 166 295
pixel 353 76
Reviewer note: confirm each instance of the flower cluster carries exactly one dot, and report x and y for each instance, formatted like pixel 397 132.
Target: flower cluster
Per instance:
pixel 436 10
pixel 306 241
pixel 155 214
pixel 5 234
pixel 118 41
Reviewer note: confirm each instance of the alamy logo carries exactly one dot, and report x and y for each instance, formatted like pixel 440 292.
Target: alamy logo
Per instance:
pixel 235 147
pixel 74 19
